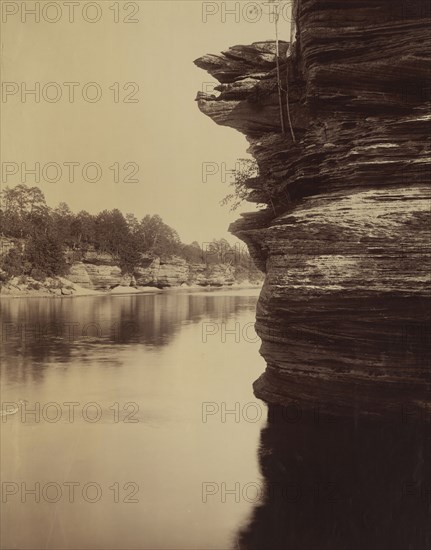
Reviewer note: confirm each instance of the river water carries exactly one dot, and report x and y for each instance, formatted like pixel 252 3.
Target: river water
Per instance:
pixel 128 422
pixel 131 442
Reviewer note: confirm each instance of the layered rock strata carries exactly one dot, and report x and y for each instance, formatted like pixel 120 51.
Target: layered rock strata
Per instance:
pixel 104 274
pixel 345 237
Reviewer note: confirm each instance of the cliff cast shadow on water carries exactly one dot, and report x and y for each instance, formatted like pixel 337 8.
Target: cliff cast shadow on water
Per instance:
pixel 338 484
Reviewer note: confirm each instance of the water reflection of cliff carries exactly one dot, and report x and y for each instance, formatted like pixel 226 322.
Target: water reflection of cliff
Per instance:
pixel 342 485
pixel 38 331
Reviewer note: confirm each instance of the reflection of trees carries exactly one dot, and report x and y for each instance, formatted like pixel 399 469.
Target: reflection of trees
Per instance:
pixel 37 332
pixel 155 320
pixel 342 485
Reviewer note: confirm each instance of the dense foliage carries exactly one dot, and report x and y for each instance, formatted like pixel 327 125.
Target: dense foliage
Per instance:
pixel 45 237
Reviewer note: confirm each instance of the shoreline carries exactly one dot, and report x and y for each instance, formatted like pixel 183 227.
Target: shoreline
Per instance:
pixel 132 291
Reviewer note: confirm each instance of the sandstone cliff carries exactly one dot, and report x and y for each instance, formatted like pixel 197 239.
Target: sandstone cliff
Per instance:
pixel 344 241
pixel 101 273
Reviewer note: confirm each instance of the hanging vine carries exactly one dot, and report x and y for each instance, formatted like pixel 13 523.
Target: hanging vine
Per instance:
pixel 279 83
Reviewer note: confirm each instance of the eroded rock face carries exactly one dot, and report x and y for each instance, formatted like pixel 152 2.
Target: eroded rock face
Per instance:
pixel 167 273
pixel 344 313
pixel 97 271
pixel 214 275
pixel 147 274
pixel 104 277
pixel 79 275
pixel 175 272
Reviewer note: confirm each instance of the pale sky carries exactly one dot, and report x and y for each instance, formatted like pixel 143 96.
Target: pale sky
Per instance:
pixel 164 133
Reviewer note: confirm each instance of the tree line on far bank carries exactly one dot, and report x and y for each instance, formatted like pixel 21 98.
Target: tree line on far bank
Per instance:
pixel 43 235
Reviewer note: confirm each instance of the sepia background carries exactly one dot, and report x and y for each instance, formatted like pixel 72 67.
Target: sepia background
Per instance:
pixel 164 132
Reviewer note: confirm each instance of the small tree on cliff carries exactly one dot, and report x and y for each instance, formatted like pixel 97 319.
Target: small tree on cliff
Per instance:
pixel 247 170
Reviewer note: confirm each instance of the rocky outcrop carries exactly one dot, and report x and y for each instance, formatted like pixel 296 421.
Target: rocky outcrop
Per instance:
pixel 24 286
pixel 79 275
pixel 344 241
pixel 104 277
pixel 94 270
pixel 147 273
pixel 98 258
pixel 153 272
pixel 174 272
pixel 96 276
pixel 213 275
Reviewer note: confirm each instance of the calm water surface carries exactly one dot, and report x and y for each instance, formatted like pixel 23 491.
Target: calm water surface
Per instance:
pixel 298 481
pixel 164 355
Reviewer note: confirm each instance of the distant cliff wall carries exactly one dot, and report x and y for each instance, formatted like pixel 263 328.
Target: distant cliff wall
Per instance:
pixel 99 272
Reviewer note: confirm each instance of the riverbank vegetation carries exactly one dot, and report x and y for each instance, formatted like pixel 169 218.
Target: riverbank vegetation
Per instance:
pixel 41 242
